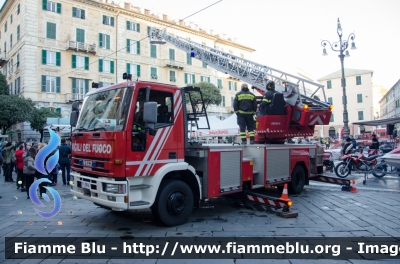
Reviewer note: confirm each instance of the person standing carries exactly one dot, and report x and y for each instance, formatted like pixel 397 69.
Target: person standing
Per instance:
pixel 29 169
pixel 9 161
pixel 245 106
pixel 267 99
pixel 20 167
pixel 353 142
pixel 64 161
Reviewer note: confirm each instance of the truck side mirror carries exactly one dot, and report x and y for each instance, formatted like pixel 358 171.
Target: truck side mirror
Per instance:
pixel 73 119
pixel 150 112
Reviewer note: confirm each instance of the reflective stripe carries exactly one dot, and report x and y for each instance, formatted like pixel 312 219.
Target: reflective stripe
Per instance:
pixel 245 97
pixel 251 134
pixel 266 100
pixel 243 112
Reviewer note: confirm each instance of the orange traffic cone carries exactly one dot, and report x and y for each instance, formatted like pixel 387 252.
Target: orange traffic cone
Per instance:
pixel 285 196
pixel 353 186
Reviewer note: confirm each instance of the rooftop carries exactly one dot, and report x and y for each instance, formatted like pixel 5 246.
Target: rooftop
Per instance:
pixel 347 72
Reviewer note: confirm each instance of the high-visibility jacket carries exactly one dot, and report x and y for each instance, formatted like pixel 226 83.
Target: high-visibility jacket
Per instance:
pixel 245 102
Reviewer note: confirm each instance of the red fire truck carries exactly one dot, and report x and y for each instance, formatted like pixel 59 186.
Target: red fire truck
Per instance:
pixel 131 149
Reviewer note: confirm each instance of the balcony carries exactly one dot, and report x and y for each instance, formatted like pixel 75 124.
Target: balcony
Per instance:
pixel 79 46
pixel 3 59
pixel 70 97
pixel 173 64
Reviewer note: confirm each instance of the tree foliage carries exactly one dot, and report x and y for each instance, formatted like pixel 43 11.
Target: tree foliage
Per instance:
pixel 13 110
pixel 39 119
pixel 3 85
pixel 211 94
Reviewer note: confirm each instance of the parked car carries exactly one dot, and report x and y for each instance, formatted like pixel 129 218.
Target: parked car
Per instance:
pixel 336 152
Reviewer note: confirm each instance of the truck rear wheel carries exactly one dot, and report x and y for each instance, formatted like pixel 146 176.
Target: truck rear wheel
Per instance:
pixel 298 180
pixel 174 203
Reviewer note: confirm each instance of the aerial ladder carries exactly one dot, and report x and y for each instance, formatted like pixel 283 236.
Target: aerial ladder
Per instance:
pixel 294 111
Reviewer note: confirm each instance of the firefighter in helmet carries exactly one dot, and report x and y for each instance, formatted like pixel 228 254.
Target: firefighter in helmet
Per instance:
pixel 267 99
pixel 245 106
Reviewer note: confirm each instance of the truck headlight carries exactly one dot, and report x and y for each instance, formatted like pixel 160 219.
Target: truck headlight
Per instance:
pixel 114 188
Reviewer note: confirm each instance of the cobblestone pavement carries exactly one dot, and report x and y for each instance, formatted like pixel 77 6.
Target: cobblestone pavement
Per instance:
pixel 324 211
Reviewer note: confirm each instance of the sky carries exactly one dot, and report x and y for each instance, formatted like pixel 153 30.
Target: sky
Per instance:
pixel 287 34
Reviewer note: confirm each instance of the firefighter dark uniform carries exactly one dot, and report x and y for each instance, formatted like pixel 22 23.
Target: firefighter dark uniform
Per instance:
pixel 267 99
pixel 245 106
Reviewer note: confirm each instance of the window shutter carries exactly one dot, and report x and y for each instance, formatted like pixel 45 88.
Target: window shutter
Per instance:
pixel 138 27
pixel 111 66
pixel 44 4
pixel 58 83
pixel 235 86
pixel 74 85
pixel 58 58
pixel 104 19
pixel 100 40
pixel 137 47
pixel 48 30
pixel 138 70
pixel 18 32
pixel 58 111
pixel 171 54
pixel 43 83
pixel 100 65
pixel 112 21
pixel 128 25
pixel 59 8
pixel 86 86
pixel 86 63
pixel 15 86
pixel 73 61
pixel 44 57
pixel 128 45
pixel 107 41
pixel 82 14
pixel 208 79
pixel 186 78
pixel 74 11
pixel 128 68
pixel 193 78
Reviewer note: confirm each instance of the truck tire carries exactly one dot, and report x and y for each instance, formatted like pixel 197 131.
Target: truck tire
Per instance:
pixel 296 185
pixel 174 203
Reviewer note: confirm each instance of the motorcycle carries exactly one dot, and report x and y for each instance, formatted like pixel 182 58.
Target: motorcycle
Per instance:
pixel 328 161
pixel 357 161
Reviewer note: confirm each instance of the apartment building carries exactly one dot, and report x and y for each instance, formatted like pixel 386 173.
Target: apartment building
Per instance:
pixel 52 52
pixel 390 102
pixel 359 95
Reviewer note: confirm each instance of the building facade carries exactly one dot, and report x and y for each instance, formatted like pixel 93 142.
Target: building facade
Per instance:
pixel 390 102
pixel 52 52
pixel 359 95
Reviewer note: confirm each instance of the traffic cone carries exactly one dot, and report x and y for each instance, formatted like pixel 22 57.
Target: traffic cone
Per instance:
pixel 286 213
pixel 285 196
pixel 353 186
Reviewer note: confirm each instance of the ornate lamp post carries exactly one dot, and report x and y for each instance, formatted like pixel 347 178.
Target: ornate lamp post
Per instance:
pixel 341 46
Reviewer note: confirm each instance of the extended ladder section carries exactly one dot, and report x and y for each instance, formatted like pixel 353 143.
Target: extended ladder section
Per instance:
pixel 297 91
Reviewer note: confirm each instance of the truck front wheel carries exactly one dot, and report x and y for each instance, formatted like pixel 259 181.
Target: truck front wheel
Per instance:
pixel 174 203
pixel 298 180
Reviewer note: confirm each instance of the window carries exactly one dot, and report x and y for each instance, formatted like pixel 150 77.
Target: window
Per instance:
pixel 358 80
pixel 153 51
pixel 17 64
pixel 190 78
pixel 235 85
pixel 10 41
pixel 359 98
pixel 80 35
pixel 10 19
pixel 106 66
pixel 172 76
pixel 153 73
pixel 332 118
pixel 51 58
pixel 330 100
pixel 17 85
pixel 50 84
pixel 204 65
pixel 219 83
pixel 10 90
pixel 133 69
pixel 133 26
pixel 51 6
pixel 18 32
pixel 5 70
pixel 172 54
pixel 329 84
pixel 108 21
pixel 132 46
pixel 360 115
pixel 5 46
pixel 204 79
pixel 78 13
pixel 80 87
pixel 51 30
pixel 80 62
pixel 188 59
pixel 104 41
pixel 18 9
pixel 223 101
pixel 10 66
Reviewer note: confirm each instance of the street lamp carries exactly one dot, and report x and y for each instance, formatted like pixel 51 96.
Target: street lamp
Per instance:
pixel 341 46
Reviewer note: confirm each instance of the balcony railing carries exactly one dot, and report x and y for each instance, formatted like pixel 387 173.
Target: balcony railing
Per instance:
pixel 71 97
pixel 79 46
pixel 174 64
pixel 3 58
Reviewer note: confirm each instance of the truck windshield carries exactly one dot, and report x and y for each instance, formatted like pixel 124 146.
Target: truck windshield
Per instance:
pixel 104 111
